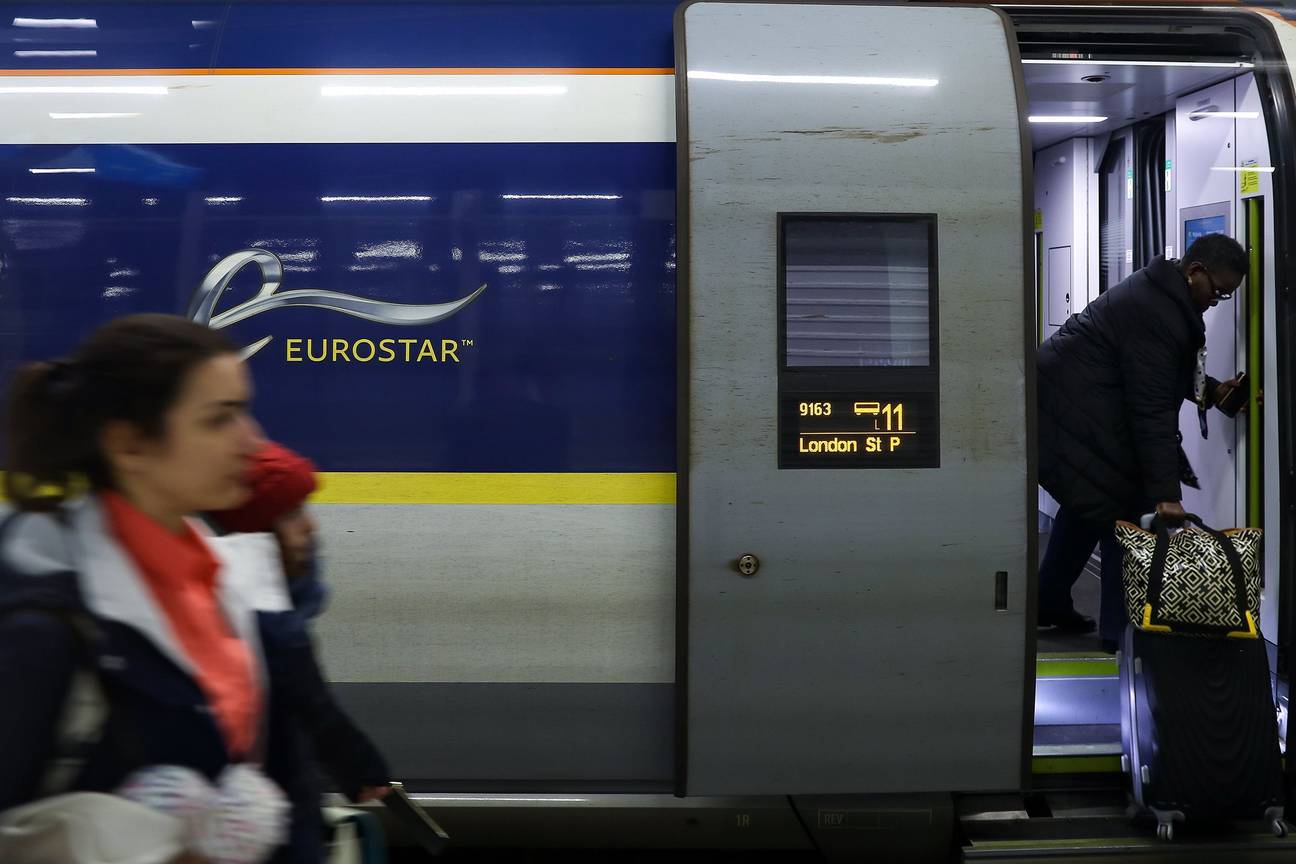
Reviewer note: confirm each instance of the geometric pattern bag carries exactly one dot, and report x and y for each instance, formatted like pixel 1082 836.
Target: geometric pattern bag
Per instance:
pixel 1199 581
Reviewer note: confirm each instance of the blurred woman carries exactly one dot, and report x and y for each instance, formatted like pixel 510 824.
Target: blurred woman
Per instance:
pixel 149 418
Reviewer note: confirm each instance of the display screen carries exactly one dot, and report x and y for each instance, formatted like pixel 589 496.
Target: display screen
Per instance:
pixel 860 429
pixel 859 370
pixel 1200 227
pixel 857 292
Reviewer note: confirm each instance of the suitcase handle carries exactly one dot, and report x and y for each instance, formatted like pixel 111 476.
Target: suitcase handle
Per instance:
pixel 1152 619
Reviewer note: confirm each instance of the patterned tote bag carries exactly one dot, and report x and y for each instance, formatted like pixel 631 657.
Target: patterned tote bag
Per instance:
pixel 1199 581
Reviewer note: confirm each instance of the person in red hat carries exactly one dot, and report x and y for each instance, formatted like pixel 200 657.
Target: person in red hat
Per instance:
pixel 281 481
pixel 306 723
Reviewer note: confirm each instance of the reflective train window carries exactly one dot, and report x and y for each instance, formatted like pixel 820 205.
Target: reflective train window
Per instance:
pixel 857 291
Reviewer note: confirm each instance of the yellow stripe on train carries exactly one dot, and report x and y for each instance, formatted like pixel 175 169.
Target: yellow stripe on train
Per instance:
pixel 481 488
pixel 345 487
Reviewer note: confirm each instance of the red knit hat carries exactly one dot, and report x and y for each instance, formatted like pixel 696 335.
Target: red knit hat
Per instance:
pixel 281 481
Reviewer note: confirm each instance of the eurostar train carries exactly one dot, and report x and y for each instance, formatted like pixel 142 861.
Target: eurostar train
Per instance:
pixel 670 369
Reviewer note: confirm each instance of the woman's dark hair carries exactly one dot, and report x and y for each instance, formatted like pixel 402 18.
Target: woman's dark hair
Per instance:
pixel 130 369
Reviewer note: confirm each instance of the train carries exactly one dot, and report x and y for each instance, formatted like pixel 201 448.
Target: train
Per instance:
pixel 613 522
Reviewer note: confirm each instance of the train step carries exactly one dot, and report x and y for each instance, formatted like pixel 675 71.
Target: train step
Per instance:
pixel 1097 826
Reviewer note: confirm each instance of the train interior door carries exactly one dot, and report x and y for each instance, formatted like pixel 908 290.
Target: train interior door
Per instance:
pixel 1142 144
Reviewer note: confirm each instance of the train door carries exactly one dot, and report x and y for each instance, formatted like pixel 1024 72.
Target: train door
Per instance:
pixel 1261 324
pixel 856 491
pixel 1207 203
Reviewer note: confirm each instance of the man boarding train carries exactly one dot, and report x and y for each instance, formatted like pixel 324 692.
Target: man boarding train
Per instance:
pixel 1111 381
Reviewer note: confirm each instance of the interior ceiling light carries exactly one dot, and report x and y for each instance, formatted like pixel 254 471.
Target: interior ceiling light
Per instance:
pixel 1096 79
pixel 1259 169
pixel 87 90
pixel 369 199
pixel 857 80
pixel 1045 118
pixel 72 53
pixel 1200 64
pixel 91 115
pixel 57 23
pixel 1236 115
pixel 520 197
pixel 48 202
pixel 440 90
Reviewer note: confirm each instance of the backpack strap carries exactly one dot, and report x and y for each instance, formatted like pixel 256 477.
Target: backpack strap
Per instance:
pixel 85 708
pixel 82 720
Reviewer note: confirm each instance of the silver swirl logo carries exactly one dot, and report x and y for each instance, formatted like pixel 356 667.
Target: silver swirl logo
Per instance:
pixel 202 308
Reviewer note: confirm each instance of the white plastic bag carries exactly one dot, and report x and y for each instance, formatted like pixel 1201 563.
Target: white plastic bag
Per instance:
pixel 88 828
pixel 345 846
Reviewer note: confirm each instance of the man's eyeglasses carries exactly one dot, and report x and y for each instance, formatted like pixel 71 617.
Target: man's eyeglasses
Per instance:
pixel 1215 289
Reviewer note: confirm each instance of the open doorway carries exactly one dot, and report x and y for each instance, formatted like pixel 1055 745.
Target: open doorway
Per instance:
pixel 1132 163
pixel 1145 139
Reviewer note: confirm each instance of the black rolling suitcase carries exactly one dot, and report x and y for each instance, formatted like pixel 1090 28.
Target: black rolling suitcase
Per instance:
pixel 1199 729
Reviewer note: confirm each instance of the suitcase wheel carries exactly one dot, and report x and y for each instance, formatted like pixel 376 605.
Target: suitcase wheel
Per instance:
pixel 1165 823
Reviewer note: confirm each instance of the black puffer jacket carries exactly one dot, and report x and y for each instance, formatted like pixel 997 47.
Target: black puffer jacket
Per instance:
pixel 1111 382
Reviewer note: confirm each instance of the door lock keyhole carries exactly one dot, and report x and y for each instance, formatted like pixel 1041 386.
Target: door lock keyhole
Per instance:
pixel 748 565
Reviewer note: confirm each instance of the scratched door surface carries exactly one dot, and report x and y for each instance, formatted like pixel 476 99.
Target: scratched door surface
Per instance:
pixel 868 651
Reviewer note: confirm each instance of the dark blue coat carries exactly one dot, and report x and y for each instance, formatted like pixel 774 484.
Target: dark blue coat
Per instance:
pixel 69 600
pixel 308 726
pixel 54 573
pixel 1111 383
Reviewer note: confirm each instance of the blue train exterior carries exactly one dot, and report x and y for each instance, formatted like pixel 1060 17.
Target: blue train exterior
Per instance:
pixel 514 582
pixel 565 362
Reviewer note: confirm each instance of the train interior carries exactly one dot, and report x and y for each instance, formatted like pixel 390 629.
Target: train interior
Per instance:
pixel 1132 162
pixel 1144 140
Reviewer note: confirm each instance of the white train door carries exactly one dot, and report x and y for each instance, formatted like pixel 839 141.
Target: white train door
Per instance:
pixel 857 487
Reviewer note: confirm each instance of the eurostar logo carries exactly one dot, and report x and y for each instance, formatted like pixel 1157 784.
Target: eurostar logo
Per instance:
pixel 202 308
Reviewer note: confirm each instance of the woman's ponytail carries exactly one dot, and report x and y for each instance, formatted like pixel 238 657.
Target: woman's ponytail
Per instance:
pixel 51 451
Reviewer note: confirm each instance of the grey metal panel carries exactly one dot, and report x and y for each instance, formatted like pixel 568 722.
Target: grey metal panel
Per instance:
pixel 593 821
pixel 1058 286
pixel 483 593
pixel 612 736
pixel 866 655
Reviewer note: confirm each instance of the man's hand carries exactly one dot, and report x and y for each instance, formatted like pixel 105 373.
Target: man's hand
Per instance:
pixel 1225 388
pixel 372 793
pixel 1171 513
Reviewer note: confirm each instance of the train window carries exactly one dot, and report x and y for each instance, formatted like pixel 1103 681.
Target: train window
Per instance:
pixel 858 351
pixel 857 291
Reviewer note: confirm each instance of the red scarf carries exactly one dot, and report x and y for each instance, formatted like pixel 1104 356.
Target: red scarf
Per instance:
pixel 180 571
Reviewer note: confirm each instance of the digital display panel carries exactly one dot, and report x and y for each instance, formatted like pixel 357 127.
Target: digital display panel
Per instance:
pixel 857 293
pixel 1204 219
pixel 1200 227
pixel 858 341
pixel 860 429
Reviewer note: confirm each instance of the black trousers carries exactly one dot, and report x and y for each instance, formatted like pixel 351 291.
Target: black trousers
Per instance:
pixel 1069 547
